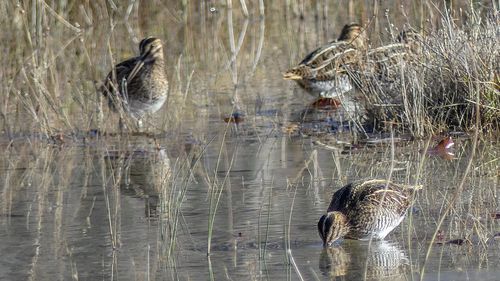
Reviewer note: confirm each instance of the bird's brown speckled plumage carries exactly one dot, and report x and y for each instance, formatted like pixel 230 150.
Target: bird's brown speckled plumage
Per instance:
pixel 383 62
pixel 365 209
pixel 324 69
pixel 139 85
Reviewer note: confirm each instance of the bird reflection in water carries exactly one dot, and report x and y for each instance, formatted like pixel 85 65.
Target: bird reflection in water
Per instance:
pixel 334 262
pixel 355 260
pixel 144 173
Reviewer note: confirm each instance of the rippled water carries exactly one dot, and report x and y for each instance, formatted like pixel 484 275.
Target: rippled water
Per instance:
pixel 139 207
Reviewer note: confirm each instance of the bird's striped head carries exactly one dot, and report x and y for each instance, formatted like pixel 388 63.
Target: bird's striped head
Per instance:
pixel 355 34
pixel 332 226
pixel 151 49
pixel 412 38
pixel 408 36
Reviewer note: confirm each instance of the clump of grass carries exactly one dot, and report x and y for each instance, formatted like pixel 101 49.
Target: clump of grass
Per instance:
pixel 437 89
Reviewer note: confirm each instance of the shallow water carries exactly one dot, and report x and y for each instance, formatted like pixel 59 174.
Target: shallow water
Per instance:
pixel 139 207
pixel 62 206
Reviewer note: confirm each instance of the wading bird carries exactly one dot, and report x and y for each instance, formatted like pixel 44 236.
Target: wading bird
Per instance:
pixel 138 86
pixel 365 209
pixel 324 71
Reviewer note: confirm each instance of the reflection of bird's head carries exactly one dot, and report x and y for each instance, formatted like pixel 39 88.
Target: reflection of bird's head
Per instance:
pixel 332 226
pixel 151 49
pixel 334 262
pixel 355 34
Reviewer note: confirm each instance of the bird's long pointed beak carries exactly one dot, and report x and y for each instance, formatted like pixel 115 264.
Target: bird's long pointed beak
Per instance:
pixel 135 70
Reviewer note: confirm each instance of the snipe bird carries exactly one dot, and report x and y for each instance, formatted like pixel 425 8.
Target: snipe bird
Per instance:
pixel 139 85
pixel 412 38
pixel 365 209
pixel 382 60
pixel 324 71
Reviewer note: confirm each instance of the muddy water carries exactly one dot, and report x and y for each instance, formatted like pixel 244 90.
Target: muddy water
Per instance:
pixel 140 208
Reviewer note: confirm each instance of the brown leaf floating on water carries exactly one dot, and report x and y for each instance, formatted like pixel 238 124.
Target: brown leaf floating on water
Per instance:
pixel 445 144
pixel 443 149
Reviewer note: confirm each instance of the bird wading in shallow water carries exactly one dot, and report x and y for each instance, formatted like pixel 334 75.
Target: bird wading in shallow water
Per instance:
pixel 138 86
pixel 324 71
pixel 365 209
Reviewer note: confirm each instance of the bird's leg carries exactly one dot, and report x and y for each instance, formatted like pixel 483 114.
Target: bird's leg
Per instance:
pixel 122 126
pixel 140 125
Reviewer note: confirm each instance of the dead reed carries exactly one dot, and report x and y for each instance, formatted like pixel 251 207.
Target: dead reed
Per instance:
pixel 436 89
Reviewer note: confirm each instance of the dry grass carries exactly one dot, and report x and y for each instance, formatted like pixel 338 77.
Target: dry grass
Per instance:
pixel 436 89
pixel 55 57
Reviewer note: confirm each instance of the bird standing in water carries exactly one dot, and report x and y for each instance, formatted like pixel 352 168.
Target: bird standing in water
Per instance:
pixel 324 71
pixel 138 86
pixel 364 210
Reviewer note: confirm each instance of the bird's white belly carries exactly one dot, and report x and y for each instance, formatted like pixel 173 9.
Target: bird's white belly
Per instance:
pixel 329 88
pixel 341 86
pixel 139 108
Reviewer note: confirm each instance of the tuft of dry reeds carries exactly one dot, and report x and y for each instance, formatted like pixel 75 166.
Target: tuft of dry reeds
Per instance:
pixel 436 89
